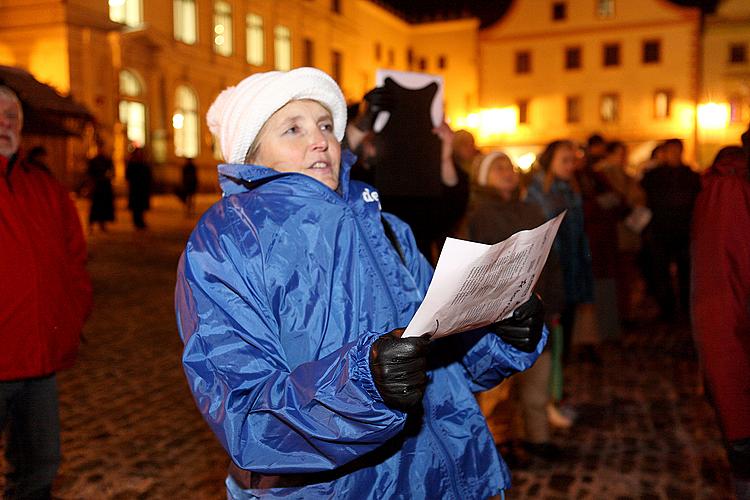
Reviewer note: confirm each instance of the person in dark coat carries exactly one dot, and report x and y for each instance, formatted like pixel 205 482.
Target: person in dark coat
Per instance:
pixel 671 189
pixel 189 185
pixel 495 213
pixel 100 171
pixel 138 175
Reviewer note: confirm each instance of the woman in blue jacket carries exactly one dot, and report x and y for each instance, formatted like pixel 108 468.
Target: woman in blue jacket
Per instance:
pixel 291 295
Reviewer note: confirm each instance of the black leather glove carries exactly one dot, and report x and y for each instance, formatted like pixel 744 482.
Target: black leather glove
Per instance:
pixel 398 369
pixel 376 100
pixel 523 329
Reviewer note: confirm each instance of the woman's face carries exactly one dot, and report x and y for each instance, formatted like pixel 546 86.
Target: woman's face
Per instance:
pixel 563 162
pixel 299 138
pixel 503 177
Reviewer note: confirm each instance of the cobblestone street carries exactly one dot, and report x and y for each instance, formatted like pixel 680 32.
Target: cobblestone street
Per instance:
pixel 130 428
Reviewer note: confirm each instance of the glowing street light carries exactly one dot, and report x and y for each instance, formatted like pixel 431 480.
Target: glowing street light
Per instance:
pixel 712 115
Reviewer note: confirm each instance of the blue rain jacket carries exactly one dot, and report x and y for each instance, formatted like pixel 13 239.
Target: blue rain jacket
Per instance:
pixel 283 287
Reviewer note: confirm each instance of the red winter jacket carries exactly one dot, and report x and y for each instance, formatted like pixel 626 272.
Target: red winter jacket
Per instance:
pixel 45 291
pixel 721 291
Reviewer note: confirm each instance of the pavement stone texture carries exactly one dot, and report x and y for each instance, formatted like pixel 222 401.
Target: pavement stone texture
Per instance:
pixel 130 428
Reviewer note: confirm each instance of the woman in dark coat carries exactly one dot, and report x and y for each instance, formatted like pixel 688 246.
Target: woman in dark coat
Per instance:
pixel 102 209
pixel 138 175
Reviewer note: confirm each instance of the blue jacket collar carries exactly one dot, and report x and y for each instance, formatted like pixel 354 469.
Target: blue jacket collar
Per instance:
pixel 240 178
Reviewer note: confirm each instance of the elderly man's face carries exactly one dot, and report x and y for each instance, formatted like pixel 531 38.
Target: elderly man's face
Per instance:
pixel 10 126
pixel 299 138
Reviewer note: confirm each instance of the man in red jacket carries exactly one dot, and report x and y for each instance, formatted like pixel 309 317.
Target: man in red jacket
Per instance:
pixel 45 296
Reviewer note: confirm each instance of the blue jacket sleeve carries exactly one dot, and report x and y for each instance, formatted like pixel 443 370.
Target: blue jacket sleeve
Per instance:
pixel 270 418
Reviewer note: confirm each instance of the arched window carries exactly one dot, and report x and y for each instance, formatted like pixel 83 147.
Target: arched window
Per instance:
pixel 185 123
pixel 127 12
pixel 132 109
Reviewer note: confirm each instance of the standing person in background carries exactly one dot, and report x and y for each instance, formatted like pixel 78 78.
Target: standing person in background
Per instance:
pixel 554 188
pixel 138 175
pixel 497 212
pixel 189 186
pixel 671 189
pixel 100 171
pixel 721 300
pixel 45 296
pixel 291 298
pixel 465 152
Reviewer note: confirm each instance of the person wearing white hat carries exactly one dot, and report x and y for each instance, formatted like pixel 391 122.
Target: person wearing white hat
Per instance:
pixel 291 297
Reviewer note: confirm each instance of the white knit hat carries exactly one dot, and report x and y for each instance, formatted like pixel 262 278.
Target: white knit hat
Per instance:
pixel 483 172
pixel 239 112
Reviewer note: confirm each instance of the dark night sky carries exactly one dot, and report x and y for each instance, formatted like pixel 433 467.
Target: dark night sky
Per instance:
pixel 488 11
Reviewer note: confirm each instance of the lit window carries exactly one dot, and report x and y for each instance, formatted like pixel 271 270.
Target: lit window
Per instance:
pixel 611 54
pixel 132 111
pixel 308 52
pixel 651 51
pixel 223 28
pixel 662 104
pixel 605 9
pixel 738 53
pixel 609 108
pixel 185 21
pixel 559 11
pixel 736 109
pixel 523 62
pixel 573 58
pixel 282 48
pixel 523 111
pixel 255 40
pixel 127 12
pixel 336 66
pixel 185 123
pixel 573 109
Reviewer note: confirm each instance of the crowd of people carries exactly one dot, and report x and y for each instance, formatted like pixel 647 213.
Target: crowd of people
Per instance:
pixel 294 290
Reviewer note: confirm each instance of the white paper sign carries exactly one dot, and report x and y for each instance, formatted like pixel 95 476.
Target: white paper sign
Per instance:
pixel 475 285
pixel 411 80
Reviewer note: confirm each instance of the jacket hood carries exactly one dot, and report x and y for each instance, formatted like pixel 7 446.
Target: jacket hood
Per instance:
pixel 237 178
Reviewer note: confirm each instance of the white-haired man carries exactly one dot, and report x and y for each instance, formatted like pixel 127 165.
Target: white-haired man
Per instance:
pixel 44 299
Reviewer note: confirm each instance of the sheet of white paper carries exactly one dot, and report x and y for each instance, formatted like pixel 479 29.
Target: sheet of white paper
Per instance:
pixel 411 80
pixel 475 284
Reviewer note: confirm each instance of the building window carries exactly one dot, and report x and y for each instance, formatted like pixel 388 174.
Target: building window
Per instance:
pixel 611 54
pixel 255 40
pixel 308 52
pixel 573 58
pixel 185 123
pixel 391 57
pixel 185 29
pixel 336 65
pixel 223 28
pixel 573 109
pixel 736 109
pixel 378 51
pixel 559 11
pixel 422 64
pixel 605 9
pixel 409 57
pixel 651 51
pixel 738 53
pixel 662 104
pixel 132 110
pixel 129 12
pixel 442 62
pixel 523 62
pixel 523 111
pixel 282 48
pixel 609 108
pixel 336 6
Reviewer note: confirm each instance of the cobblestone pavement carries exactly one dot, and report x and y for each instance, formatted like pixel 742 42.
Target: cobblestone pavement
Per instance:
pixel 130 428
